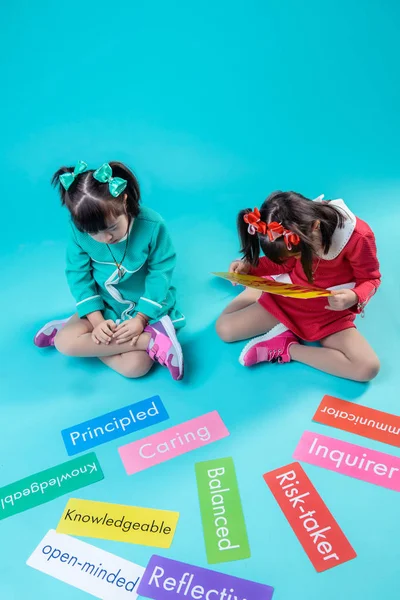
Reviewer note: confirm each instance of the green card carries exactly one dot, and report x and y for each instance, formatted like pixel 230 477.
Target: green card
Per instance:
pixel 221 511
pixel 50 484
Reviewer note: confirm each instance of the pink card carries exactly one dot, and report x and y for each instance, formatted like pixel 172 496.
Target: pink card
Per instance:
pixel 172 442
pixel 349 459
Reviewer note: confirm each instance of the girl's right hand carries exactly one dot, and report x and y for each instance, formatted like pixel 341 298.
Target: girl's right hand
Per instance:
pixel 240 267
pixel 103 332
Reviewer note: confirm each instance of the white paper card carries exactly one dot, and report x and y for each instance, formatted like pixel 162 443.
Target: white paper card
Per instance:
pixel 95 571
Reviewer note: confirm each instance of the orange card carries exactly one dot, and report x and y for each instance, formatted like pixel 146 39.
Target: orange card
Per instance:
pixel 355 418
pixel 275 287
pixel 316 529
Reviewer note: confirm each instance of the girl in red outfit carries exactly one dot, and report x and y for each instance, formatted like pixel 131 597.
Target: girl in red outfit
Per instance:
pixel 305 242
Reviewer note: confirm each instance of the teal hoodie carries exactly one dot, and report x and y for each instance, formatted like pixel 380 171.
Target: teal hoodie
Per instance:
pixel 145 285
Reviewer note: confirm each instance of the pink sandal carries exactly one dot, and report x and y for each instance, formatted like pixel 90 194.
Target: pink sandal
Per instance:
pixel 271 347
pixel 164 347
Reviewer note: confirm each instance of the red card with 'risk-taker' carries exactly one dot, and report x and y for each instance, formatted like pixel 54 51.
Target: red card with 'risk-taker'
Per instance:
pixel 317 531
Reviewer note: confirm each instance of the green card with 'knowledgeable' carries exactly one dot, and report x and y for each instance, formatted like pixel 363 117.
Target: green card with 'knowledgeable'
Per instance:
pixel 221 511
pixel 48 485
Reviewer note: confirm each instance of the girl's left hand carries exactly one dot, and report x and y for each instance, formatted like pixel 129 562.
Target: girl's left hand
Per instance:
pixel 342 300
pixel 129 331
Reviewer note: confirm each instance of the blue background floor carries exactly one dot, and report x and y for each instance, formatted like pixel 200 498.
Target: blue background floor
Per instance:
pixel 214 104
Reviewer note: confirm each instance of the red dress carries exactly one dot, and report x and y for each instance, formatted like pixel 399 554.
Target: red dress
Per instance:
pixel 351 262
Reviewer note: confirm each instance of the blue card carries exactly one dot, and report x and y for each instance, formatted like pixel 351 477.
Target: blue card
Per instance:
pixel 113 425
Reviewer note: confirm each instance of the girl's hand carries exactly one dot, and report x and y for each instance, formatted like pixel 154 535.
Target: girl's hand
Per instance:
pixel 342 300
pixel 129 331
pixel 103 332
pixel 240 267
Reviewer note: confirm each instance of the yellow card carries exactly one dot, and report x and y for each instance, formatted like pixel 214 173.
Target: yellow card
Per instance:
pixel 275 287
pixel 132 524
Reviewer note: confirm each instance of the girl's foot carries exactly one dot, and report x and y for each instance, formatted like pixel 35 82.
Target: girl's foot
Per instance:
pixel 164 347
pixel 272 347
pixel 45 336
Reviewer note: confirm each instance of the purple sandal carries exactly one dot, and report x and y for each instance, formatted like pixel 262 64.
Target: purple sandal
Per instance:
pixel 45 336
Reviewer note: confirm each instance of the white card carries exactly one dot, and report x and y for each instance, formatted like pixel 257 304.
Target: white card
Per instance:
pixel 86 567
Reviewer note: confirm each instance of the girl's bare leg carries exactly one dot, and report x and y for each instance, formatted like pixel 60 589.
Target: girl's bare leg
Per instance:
pixel 75 339
pixel 244 318
pixel 131 364
pixel 344 354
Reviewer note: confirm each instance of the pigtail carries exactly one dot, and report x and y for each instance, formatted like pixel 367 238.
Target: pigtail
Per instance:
pixel 329 218
pixel 250 244
pixel 55 182
pixel 307 255
pixel 132 189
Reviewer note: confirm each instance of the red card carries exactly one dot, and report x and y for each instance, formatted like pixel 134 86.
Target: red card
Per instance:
pixel 368 422
pixel 317 531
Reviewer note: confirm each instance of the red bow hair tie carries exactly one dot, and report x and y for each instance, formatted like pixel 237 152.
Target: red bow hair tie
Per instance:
pixel 274 230
pixel 253 219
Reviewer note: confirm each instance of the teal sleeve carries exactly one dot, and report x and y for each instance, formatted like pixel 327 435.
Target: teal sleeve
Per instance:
pixel 80 280
pixel 160 264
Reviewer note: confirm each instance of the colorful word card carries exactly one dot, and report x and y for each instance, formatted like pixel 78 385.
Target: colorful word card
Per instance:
pixel 166 579
pixel 132 524
pixel 160 447
pixel 275 287
pixel 224 529
pixel 349 459
pixel 355 418
pixel 95 571
pixel 317 531
pixel 113 425
pixel 49 484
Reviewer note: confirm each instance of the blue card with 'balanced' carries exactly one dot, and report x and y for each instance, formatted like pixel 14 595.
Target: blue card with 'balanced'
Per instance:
pixel 114 425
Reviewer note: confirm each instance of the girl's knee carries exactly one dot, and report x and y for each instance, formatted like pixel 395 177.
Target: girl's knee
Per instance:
pixel 367 370
pixel 64 342
pixel 136 366
pixel 224 330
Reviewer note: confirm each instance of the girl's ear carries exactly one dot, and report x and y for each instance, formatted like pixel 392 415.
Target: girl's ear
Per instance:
pixel 316 225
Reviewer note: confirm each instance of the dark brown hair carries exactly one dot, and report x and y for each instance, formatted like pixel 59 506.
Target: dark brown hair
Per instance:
pixel 89 201
pixel 298 214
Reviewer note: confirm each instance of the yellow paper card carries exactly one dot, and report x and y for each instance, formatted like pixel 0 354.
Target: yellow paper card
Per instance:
pixel 275 287
pixel 132 524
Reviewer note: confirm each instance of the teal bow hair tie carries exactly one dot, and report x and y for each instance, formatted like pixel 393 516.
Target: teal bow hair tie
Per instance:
pixel 115 184
pixel 67 179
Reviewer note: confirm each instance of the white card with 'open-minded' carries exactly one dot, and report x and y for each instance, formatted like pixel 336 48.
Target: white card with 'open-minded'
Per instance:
pixel 95 571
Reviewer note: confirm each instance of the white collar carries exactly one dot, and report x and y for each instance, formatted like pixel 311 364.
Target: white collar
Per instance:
pixel 341 235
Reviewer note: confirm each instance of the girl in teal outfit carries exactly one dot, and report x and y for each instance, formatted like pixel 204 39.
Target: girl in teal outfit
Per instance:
pixel 120 261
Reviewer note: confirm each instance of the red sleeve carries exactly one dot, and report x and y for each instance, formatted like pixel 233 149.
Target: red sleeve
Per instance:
pixel 365 264
pixel 267 267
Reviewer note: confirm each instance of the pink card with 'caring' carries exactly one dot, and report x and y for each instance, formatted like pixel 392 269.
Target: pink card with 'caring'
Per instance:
pixel 172 442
